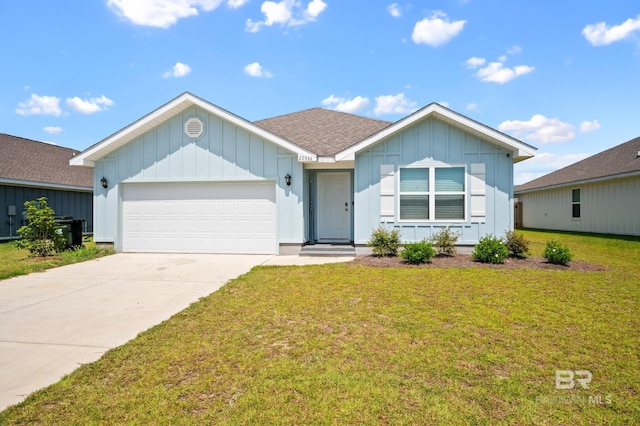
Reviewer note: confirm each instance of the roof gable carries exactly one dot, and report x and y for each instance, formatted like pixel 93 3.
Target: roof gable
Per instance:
pixel 521 150
pixel 322 131
pixel 24 161
pixel 168 110
pixel 622 159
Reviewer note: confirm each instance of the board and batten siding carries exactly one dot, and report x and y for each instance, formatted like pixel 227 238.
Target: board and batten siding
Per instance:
pixel 63 202
pixel 608 206
pixel 224 153
pixel 432 142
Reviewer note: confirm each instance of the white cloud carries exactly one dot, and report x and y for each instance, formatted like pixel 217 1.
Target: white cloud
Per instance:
pixel 163 13
pixel 40 105
pixel 539 129
pixel 235 4
pixel 589 126
pixel 436 29
pixel 475 62
pixel 515 49
pixel 286 13
pixel 394 104
pixel 543 163
pixel 444 104
pixel 88 106
pixel 256 70
pixel 471 106
pixel 53 130
pixel 496 72
pixel 178 70
pixel 601 34
pixel 346 105
pixel 394 10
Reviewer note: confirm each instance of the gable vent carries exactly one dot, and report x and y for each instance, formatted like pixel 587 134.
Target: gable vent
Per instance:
pixel 194 128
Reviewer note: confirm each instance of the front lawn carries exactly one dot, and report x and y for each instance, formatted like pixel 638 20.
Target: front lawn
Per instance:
pixel 14 261
pixel 351 344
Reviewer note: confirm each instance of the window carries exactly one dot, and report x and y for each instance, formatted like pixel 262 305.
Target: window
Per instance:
pixel 575 203
pixel 433 193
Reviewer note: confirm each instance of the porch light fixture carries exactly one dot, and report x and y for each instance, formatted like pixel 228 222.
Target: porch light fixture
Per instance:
pixel 287 179
pixel 104 182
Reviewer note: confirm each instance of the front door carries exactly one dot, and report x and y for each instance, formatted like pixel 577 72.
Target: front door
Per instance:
pixel 334 207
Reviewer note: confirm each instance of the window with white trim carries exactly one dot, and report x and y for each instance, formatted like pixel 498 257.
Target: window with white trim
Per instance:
pixel 432 193
pixel 575 203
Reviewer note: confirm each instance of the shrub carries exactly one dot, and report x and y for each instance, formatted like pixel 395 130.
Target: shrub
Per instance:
pixel 557 253
pixel 490 249
pixel 417 253
pixel 39 235
pixel 444 241
pixel 517 245
pixel 385 242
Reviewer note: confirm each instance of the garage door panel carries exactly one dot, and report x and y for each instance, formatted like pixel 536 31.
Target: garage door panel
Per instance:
pixel 199 218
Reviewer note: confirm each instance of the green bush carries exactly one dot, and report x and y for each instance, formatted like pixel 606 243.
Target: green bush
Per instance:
pixel 417 253
pixel 444 241
pixel 557 253
pixel 490 249
pixel 39 235
pixel 517 245
pixel 385 242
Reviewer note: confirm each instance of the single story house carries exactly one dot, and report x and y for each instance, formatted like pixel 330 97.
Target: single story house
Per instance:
pixel 29 170
pixel 599 194
pixel 193 177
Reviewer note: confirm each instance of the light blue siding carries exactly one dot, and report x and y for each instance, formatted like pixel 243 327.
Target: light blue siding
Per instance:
pixel 434 142
pixel 224 152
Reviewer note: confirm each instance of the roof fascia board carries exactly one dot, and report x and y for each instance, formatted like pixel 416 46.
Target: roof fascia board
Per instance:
pixel 580 182
pixel 122 137
pixel 34 184
pixel 520 149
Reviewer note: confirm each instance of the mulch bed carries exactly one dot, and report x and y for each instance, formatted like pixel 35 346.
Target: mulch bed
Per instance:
pixel 464 261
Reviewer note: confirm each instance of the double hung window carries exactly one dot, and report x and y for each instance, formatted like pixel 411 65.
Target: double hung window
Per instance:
pixel 432 193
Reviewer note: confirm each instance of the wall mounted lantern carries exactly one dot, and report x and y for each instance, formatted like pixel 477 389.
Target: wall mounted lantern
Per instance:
pixel 104 182
pixel 287 179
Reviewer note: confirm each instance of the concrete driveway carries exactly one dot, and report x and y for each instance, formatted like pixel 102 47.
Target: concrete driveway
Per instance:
pixel 52 322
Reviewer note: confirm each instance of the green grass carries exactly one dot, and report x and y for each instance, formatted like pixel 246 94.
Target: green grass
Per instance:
pixel 346 344
pixel 14 262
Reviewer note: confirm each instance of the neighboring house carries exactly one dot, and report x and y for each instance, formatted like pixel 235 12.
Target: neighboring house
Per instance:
pixel 192 177
pixel 598 194
pixel 30 170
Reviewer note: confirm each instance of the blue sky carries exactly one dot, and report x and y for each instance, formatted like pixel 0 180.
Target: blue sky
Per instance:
pixel 563 76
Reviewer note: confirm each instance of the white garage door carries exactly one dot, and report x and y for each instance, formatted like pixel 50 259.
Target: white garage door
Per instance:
pixel 199 218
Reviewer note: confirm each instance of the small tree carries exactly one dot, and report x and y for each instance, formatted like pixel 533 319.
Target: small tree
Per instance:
pixel 40 235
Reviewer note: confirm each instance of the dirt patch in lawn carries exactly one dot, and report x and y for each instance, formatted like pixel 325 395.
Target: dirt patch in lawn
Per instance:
pixel 464 261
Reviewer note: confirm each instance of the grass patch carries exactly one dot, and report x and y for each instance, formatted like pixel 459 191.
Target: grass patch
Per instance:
pixel 350 344
pixel 14 261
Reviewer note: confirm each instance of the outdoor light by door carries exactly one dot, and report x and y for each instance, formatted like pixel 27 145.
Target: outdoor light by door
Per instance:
pixel 104 182
pixel 287 179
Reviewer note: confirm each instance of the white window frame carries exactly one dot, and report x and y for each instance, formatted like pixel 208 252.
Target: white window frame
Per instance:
pixel 432 193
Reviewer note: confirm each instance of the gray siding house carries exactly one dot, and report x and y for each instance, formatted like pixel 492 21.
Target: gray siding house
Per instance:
pixel 599 194
pixel 192 177
pixel 30 170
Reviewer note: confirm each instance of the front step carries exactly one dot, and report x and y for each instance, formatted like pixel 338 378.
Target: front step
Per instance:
pixel 336 250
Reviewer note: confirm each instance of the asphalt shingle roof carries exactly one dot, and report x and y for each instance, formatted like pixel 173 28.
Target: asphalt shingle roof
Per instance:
pixel 322 131
pixel 28 160
pixel 620 159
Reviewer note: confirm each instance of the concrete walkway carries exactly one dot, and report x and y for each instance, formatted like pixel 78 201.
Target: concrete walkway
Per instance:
pixel 54 321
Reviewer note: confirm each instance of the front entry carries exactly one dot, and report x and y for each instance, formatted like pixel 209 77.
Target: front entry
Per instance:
pixel 334 207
